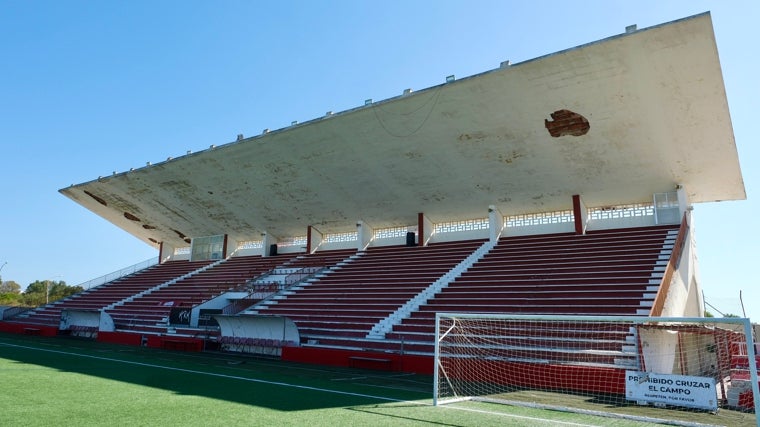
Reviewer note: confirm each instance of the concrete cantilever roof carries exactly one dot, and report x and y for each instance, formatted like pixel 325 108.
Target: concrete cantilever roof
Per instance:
pixel 653 99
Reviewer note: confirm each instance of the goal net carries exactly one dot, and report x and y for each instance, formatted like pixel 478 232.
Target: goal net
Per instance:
pixel 638 367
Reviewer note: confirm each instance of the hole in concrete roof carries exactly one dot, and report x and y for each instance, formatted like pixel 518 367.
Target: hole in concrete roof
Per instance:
pixel 97 199
pixel 148 227
pixel 188 241
pixel 566 122
pixel 131 217
pixel 153 240
pixel 179 233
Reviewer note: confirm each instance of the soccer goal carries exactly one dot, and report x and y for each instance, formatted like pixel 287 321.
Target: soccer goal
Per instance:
pixel 639 367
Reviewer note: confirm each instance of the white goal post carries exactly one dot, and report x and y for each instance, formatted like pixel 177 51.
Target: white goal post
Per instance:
pixel 632 364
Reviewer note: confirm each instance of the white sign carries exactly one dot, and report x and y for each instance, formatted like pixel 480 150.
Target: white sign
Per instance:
pixel 676 390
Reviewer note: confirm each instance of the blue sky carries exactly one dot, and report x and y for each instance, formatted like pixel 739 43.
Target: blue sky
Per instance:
pixel 87 88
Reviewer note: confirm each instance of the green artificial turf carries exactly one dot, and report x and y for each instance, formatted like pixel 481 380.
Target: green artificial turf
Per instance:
pixel 58 381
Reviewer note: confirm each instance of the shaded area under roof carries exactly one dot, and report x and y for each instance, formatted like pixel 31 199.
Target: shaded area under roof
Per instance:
pixel 656 112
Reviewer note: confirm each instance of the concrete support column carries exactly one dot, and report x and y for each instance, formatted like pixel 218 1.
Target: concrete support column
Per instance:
pixel 165 252
pixel 580 211
pixel 313 239
pixel 266 242
pixel 683 200
pixel 495 223
pixel 425 229
pixel 229 246
pixel 364 233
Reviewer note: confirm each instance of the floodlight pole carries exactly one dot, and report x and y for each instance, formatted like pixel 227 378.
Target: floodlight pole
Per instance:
pixel 1 266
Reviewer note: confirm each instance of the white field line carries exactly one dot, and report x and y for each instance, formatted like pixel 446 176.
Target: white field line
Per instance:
pixel 254 380
pixel 282 384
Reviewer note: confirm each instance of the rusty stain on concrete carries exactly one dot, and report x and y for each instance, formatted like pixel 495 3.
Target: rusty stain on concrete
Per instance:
pixel 131 217
pixel 566 122
pixel 97 199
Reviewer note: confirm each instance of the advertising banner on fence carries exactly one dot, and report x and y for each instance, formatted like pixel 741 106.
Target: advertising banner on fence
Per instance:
pixel 676 390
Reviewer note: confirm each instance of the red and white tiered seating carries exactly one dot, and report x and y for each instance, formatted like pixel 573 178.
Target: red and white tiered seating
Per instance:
pixel 146 312
pixel 610 272
pixel 351 298
pixel 111 292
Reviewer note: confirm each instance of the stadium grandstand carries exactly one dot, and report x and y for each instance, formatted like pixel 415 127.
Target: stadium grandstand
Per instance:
pixel 561 185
